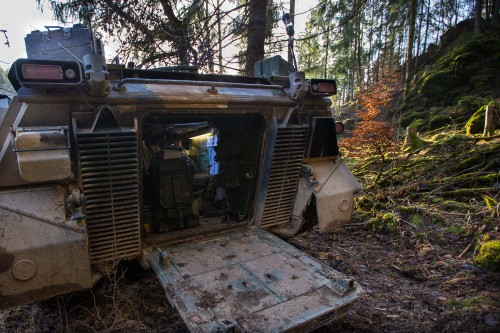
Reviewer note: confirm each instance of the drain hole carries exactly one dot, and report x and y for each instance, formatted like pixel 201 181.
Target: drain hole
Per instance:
pixel 247 285
pixel 271 277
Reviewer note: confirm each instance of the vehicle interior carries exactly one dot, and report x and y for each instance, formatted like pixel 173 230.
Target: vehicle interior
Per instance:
pixel 198 170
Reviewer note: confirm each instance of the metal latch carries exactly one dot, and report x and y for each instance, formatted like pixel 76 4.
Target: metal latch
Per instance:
pixel 67 33
pixel 343 285
pixel 76 203
pixel 163 260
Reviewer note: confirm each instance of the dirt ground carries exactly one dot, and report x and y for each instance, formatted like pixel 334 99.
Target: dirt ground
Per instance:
pixel 409 286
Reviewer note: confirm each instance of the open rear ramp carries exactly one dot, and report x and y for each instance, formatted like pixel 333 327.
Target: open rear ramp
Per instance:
pixel 251 281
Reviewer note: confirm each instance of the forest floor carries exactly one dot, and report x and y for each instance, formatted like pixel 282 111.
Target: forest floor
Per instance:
pixel 411 246
pixel 407 288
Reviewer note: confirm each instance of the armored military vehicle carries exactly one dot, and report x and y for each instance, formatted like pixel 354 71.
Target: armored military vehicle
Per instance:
pixel 194 175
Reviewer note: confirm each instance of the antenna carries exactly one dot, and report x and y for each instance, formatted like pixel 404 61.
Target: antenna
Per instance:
pixel 6 38
pixel 287 20
pixel 88 11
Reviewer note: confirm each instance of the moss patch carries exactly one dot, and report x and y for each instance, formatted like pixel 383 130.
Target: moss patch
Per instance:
pixel 410 117
pixel 418 123
pixel 482 83
pixel 387 222
pixel 452 205
pixel 467 303
pixel 439 121
pixel 416 143
pixel 489 256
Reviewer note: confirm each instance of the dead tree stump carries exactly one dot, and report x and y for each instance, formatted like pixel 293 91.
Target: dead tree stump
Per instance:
pixel 488 121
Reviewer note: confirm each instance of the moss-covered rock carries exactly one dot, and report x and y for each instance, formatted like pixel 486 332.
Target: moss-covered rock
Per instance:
pixel 439 85
pixel 435 110
pixel 476 122
pixel 467 64
pixel 489 256
pixel 469 71
pixel 469 45
pixel 439 136
pixel 475 125
pixel 450 141
pixel 415 142
pixel 482 83
pixel 409 117
pixel 468 104
pixel 439 121
pixel 464 65
pixel 418 123
pixel 466 59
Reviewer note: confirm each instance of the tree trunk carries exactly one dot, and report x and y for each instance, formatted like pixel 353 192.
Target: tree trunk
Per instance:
pixel 496 13
pixel 409 49
pixel 369 66
pixel 477 15
pixel 419 33
pixel 210 53
pixel 359 51
pixel 379 41
pixel 256 34
pixel 327 48
pixel 219 37
pixel 427 23
pixel 292 15
pixel 440 24
pixel 382 66
pixel 182 42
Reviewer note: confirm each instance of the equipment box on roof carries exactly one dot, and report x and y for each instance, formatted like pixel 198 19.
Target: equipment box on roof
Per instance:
pixel 59 43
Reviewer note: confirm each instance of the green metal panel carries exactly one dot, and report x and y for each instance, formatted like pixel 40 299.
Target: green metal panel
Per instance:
pixel 275 66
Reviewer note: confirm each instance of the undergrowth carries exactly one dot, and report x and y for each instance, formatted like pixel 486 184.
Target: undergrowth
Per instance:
pixel 446 190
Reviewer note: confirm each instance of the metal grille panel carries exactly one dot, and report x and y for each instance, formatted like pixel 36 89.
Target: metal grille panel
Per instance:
pixel 110 179
pixel 284 175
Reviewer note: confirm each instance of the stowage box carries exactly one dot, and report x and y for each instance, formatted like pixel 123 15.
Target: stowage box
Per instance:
pixel 58 43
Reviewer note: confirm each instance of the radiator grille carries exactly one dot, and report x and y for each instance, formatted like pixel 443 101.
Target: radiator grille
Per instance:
pixel 323 139
pixel 109 175
pixel 284 175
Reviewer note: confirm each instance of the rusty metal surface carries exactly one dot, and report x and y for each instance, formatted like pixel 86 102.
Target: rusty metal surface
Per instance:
pixel 250 281
pixel 168 96
pixel 42 254
pixel 36 117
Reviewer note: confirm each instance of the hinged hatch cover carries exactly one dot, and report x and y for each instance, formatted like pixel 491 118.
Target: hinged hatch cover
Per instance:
pixel 250 281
